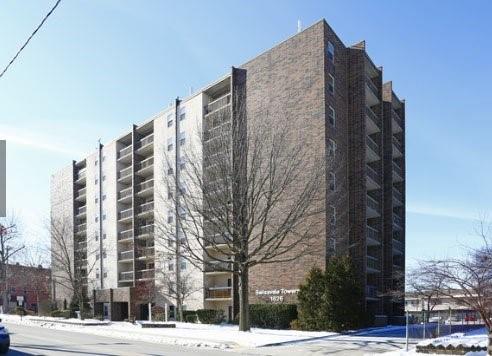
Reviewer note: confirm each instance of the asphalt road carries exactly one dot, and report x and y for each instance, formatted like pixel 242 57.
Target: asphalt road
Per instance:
pixel 31 340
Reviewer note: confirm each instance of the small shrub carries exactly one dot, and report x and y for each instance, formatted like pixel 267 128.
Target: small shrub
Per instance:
pixel 191 318
pixel 294 325
pixel 210 316
pixel 61 314
pixel 272 316
pixel 99 317
pixel 158 316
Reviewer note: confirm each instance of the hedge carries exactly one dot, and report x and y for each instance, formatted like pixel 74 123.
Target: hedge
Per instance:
pixel 190 316
pixel 61 314
pixel 272 316
pixel 210 316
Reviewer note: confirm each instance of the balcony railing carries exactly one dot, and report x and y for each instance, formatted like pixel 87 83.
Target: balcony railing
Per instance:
pixel 397 118
pixel 145 251
pixel 372 233
pixel 398 245
pixel 218 292
pixel 398 169
pixel 145 163
pixel 125 213
pixel 80 228
pixel 81 210
pixel 122 235
pixel 146 229
pixel 146 140
pixel 145 185
pixel 219 267
pixel 372 86
pixel 218 103
pixel 371 291
pixel 125 151
pixel 125 193
pixel 398 144
pixel 373 116
pixel 371 172
pixel 126 276
pixel 125 255
pixel 125 172
pixel 372 203
pixel 372 145
pixel 81 174
pixel 397 195
pixel 397 220
pixel 373 263
pixel 145 274
pixel 146 207
pixel 81 192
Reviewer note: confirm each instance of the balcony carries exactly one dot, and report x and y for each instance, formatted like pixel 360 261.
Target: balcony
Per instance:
pixel 80 195
pixel 146 167
pixel 397 198
pixel 217 267
pixel 217 104
pixel 372 207
pixel 372 292
pixel 145 231
pixel 126 276
pixel 125 256
pixel 218 293
pixel 81 229
pixel 81 212
pixel 145 189
pixel 145 209
pixel 397 147
pixel 396 122
pixel 373 178
pixel 125 175
pixel 397 222
pixel 372 92
pixel 372 150
pixel 125 154
pixel 145 145
pixel 81 176
pixel 373 237
pixel 145 252
pixel 397 173
pixel 398 247
pixel 125 195
pixel 145 274
pixel 373 264
pixel 217 239
pixel 373 122
pixel 125 215
pixel 125 235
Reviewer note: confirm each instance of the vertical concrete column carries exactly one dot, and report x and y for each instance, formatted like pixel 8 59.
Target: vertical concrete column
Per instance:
pixel 111 304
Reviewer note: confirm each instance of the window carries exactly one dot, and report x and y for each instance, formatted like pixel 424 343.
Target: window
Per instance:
pixel 170 219
pixel 104 236
pixel 332 148
pixel 104 216
pixel 170 141
pixel 96 235
pixel 96 181
pixel 170 171
pixel 103 158
pixel 181 163
pixel 330 52
pixel 169 194
pixel 331 84
pixel 182 117
pixel 182 265
pixel 96 200
pixel 96 219
pixel 331 116
pixel 169 120
pixel 332 181
pixel 95 162
pixel 97 256
pixel 104 197
pixel 103 178
pixel 105 275
pixel 97 272
pixel 170 266
pixel 104 254
pixel 333 217
pixel 182 138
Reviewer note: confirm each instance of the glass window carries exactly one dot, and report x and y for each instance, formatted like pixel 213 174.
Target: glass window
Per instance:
pixel 332 149
pixel 331 115
pixel 333 218
pixel 330 52
pixel 170 120
pixel 332 181
pixel 331 84
pixel 170 142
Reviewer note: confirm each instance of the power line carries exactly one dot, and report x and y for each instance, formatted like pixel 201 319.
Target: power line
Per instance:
pixel 31 36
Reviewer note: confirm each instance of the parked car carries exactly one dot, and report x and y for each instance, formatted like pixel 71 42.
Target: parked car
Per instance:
pixel 470 317
pixel 4 339
pixel 435 319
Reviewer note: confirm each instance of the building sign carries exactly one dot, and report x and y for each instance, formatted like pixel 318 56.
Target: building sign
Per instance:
pixel 275 295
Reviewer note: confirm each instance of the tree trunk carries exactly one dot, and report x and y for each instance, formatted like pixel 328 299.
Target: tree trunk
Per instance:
pixel 6 306
pixel 244 300
pixel 489 345
pixel 150 311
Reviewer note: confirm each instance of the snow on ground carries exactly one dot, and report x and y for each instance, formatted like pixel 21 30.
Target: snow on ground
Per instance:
pixel 453 339
pixel 185 334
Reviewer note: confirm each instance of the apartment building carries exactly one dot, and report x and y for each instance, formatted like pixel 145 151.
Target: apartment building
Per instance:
pixel 337 97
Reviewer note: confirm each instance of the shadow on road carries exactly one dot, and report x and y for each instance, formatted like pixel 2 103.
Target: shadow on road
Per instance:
pixel 41 349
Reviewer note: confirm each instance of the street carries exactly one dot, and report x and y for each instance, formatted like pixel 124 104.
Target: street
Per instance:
pixel 30 340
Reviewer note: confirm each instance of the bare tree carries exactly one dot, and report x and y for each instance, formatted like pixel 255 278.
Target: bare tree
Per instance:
pixel 10 246
pixel 467 280
pixel 70 266
pixel 251 194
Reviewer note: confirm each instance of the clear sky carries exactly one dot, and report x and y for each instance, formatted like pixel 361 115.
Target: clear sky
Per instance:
pixel 96 67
